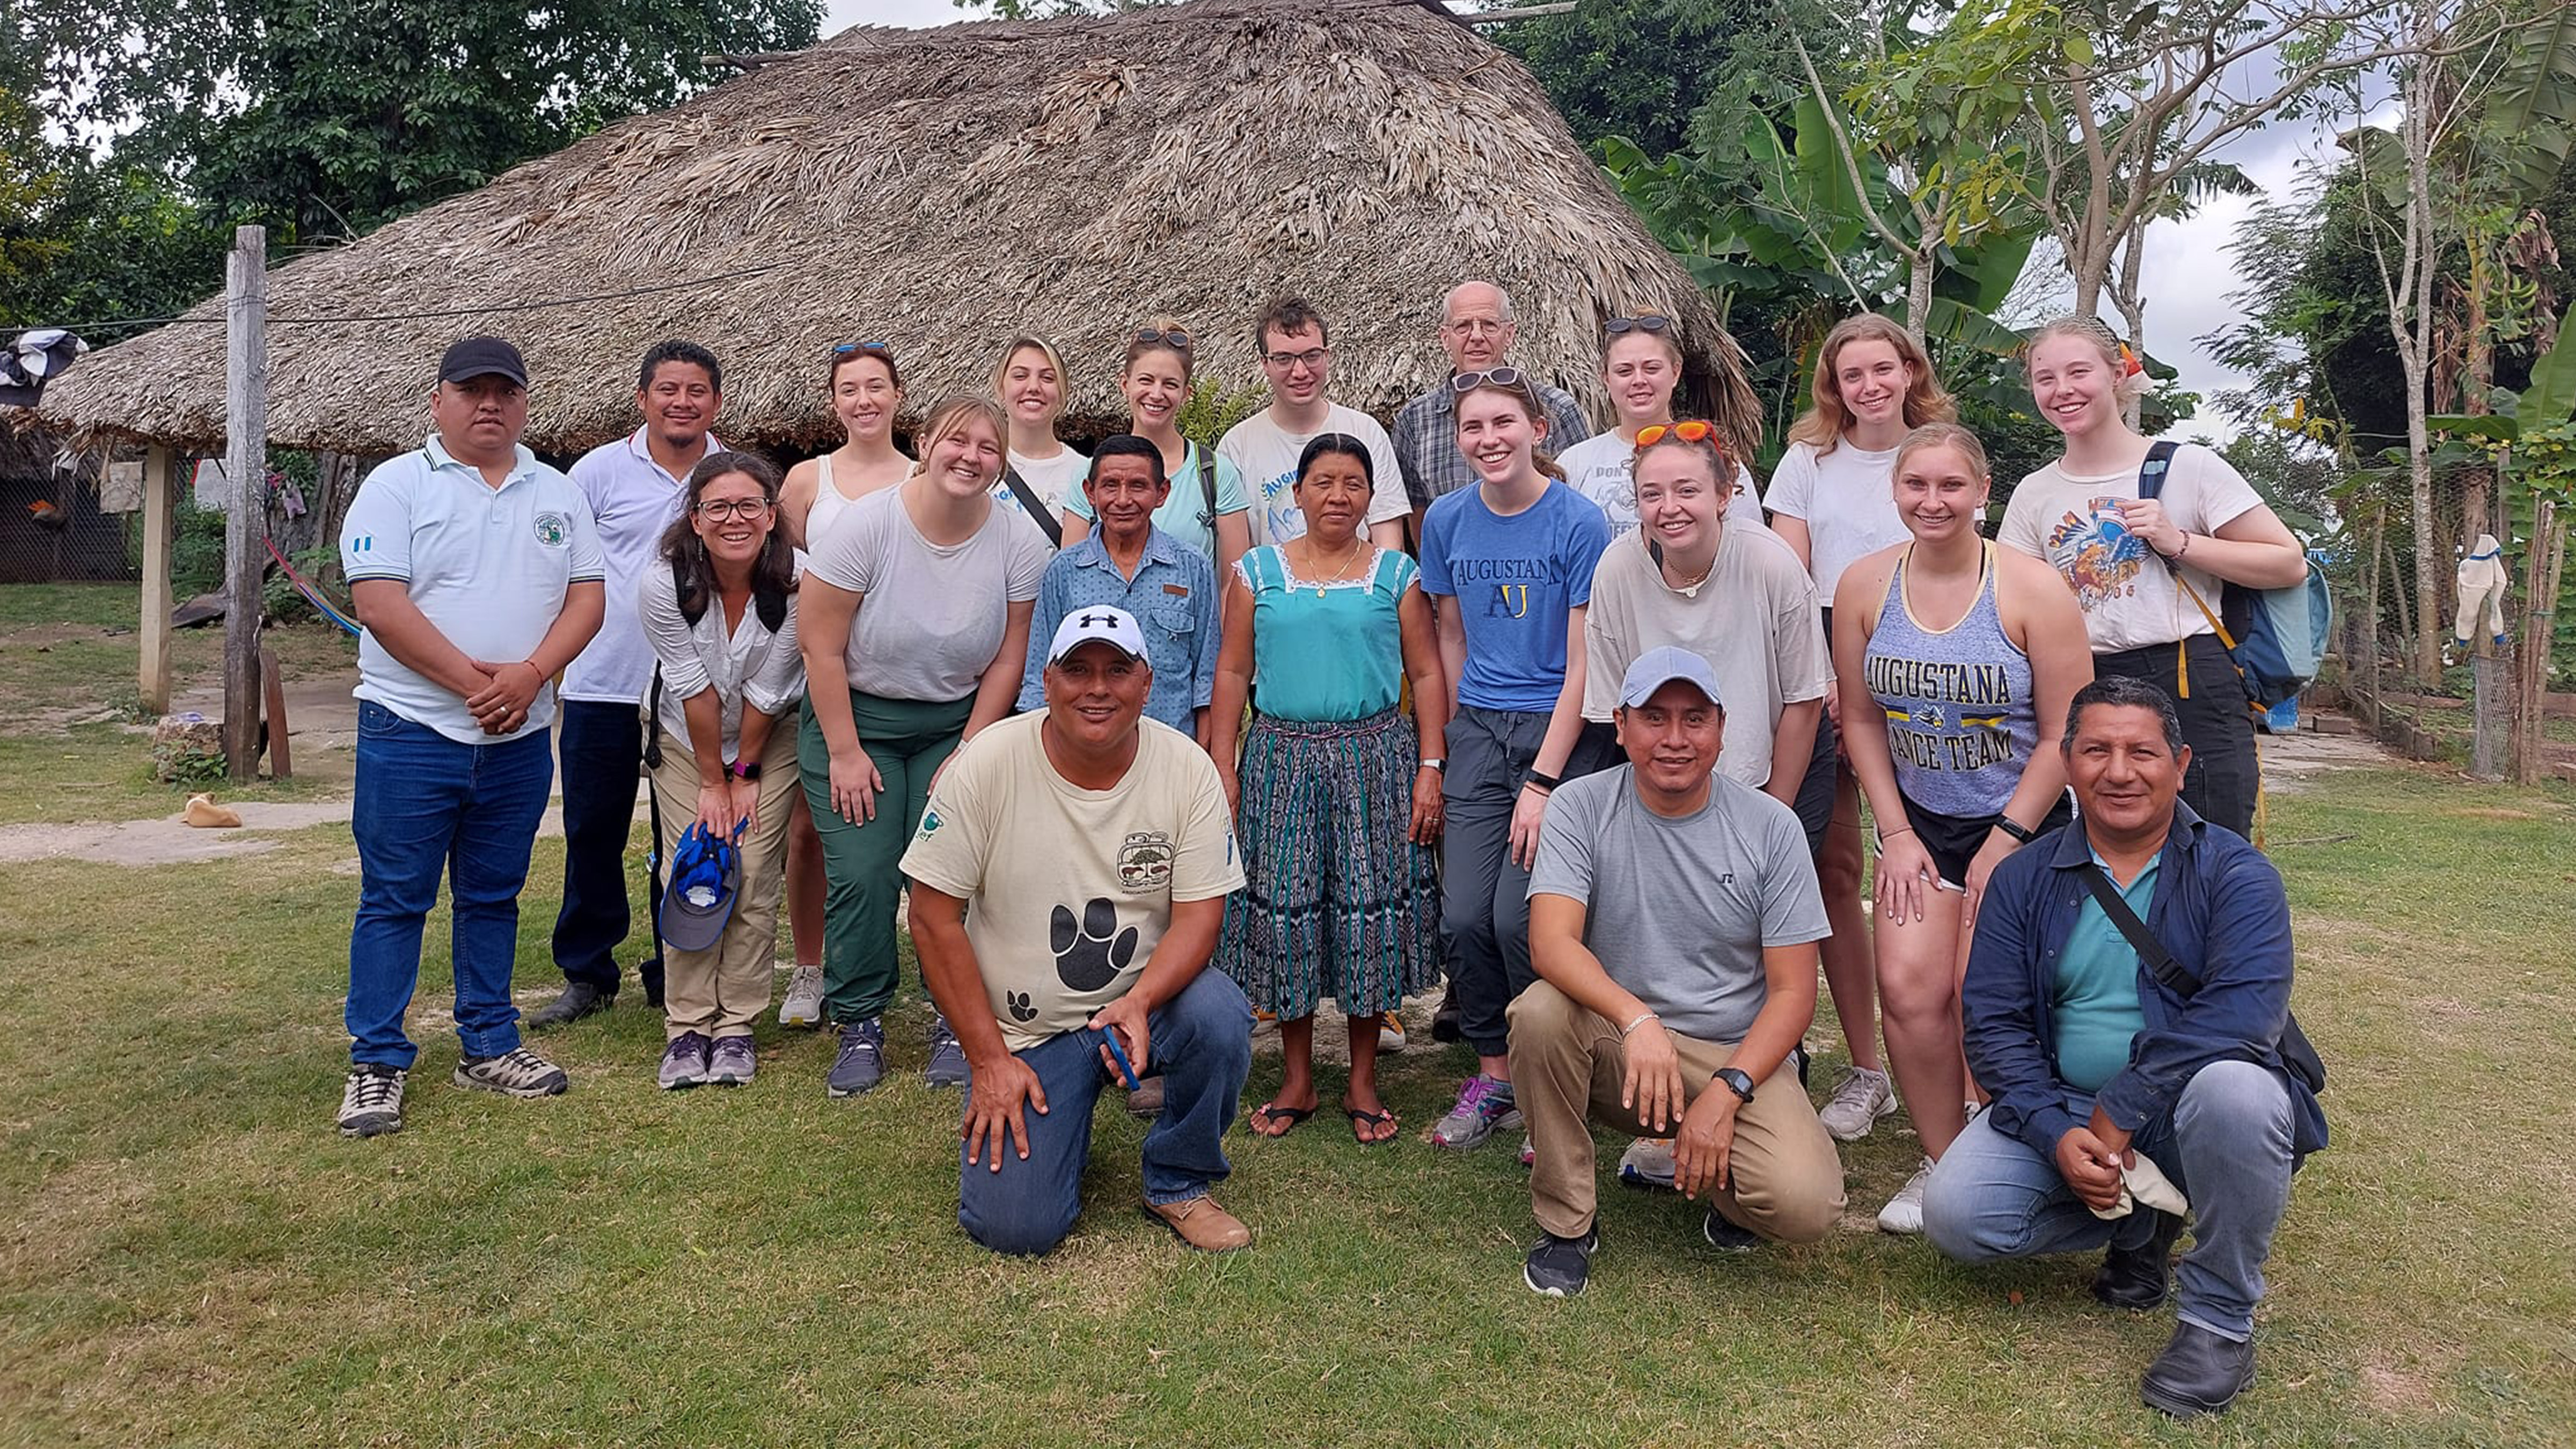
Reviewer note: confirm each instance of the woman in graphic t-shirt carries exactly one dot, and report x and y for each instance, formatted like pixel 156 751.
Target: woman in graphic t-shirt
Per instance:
pixel 1029 384
pixel 2125 555
pixel 1156 379
pixel 1641 363
pixel 1510 561
pixel 1831 502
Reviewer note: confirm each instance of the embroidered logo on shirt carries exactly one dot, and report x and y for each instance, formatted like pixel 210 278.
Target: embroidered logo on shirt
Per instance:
pixel 930 823
pixel 1145 861
pixel 552 529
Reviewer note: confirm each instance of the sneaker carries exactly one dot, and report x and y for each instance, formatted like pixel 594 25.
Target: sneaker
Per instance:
pixel 1859 1100
pixel 1648 1163
pixel 579 999
pixel 860 1063
pixel 1390 1032
pixel 1725 1236
pixel 804 1003
pixel 1557 1267
pixel 684 1062
pixel 517 1072
pixel 1904 1212
pixel 1529 1151
pixel 947 1059
pixel 371 1100
pixel 1484 1108
pixel 731 1064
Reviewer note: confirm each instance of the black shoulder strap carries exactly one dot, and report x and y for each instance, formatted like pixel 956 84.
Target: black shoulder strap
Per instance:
pixel 2151 473
pixel 2149 949
pixel 653 733
pixel 1207 483
pixel 1048 523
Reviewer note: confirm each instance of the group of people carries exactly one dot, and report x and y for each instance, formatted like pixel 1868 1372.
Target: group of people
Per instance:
pixel 1148 740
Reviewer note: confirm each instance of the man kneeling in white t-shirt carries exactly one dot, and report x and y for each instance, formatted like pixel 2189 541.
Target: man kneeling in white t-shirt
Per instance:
pixel 1096 850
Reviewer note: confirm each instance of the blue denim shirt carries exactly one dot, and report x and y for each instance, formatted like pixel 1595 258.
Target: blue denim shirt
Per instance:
pixel 1174 599
pixel 2219 908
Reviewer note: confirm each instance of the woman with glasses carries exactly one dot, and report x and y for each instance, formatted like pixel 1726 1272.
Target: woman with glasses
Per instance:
pixel 1208 509
pixel 719 607
pixel 1511 559
pixel 866 391
pixel 915 620
pixel 1029 384
pixel 1641 364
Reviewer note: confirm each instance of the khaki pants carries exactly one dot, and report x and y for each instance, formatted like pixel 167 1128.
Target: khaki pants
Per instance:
pixel 723 990
pixel 1783 1179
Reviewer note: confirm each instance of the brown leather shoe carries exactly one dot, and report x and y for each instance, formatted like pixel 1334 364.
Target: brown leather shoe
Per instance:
pixel 1199 1222
pixel 1147 1099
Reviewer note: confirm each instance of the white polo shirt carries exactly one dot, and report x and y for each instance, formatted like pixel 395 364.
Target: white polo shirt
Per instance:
pixel 632 499
pixel 487 566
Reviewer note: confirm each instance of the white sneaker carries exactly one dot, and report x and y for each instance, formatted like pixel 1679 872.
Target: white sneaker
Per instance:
pixel 1648 1162
pixel 804 1003
pixel 1859 1100
pixel 1904 1212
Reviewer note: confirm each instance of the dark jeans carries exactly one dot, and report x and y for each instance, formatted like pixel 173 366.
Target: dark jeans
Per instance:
pixel 425 806
pixel 1199 1042
pixel 603 751
pixel 2224 779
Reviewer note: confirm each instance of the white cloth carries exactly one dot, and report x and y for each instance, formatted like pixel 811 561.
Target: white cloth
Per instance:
pixel 746 666
pixel 1847 500
pixel 2145 1183
pixel 2483 580
pixel 1266 454
pixel 2128 596
pixel 934 614
pixel 1602 468
pixel 632 499
pixel 488 567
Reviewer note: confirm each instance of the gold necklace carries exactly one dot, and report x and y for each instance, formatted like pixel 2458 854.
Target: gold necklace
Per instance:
pixel 1341 569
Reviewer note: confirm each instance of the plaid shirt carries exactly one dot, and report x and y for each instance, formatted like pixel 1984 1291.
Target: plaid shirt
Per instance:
pixel 1426 439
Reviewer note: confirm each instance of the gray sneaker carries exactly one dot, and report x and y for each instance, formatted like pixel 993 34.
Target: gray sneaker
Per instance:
pixel 517 1072
pixel 1903 1214
pixel 1484 1108
pixel 803 1005
pixel 371 1100
pixel 732 1063
pixel 684 1062
pixel 1860 1098
pixel 860 1063
pixel 947 1059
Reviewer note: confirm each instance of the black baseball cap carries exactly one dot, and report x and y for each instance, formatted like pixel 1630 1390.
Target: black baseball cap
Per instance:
pixel 472 357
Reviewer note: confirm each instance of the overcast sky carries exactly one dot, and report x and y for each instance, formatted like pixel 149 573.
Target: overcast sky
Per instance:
pixel 2188 272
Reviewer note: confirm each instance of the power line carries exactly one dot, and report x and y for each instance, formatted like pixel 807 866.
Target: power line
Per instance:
pixel 127 324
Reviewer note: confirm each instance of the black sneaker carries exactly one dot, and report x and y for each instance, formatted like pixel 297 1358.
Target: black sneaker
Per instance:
pixel 2135 1278
pixel 371 1101
pixel 947 1066
pixel 860 1063
pixel 2198 1373
pixel 1725 1236
pixel 1556 1267
pixel 579 999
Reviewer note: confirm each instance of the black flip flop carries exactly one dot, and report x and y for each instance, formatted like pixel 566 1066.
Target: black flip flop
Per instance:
pixel 1270 1112
pixel 1373 1119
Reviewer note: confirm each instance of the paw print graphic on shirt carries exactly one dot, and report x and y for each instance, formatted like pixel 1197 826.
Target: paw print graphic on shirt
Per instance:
pixel 1018 1002
pixel 1090 953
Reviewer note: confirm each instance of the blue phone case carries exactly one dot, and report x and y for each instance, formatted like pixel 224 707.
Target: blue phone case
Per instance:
pixel 1118 1054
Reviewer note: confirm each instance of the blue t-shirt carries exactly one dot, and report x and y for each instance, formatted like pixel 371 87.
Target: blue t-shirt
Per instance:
pixel 1515 579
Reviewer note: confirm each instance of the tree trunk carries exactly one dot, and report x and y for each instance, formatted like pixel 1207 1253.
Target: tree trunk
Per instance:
pixel 1918 294
pixel 2536 641
pixel 2478 381
pixel 2428 582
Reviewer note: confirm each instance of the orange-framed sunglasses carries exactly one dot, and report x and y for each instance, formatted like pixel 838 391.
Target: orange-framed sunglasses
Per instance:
pixel 1693 431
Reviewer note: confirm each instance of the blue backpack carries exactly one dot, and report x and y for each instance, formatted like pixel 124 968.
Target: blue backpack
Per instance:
pixel 2276 637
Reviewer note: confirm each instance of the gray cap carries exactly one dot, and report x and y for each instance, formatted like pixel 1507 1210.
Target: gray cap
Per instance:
pixel 1662 665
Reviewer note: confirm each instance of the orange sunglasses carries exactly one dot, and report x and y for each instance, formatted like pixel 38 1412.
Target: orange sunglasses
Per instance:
pixel 1693 431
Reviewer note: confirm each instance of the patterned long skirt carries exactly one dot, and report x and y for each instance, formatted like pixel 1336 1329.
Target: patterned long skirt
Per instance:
pixel 1336 901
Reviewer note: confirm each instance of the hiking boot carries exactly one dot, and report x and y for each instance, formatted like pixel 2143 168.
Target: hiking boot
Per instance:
pixel 517 1072
pixel 2198 1373
pixel 1147 1099
pixel 1725 1236
pixel 860 1063
pixel 1199 1222
pixel 804 1003
pixel 1648 1163
pixel 2136 1277
pixel 1484 1108
pixel 1903 1214
pixel 1860 1098
pixel 947 1059
pixel 1557 1267
pixel 684 1062
pixel 371 1100
pixel 579 999
pixel 731 1064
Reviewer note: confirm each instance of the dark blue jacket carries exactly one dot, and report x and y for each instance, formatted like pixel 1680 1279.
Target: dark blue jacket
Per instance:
pixel 2218 907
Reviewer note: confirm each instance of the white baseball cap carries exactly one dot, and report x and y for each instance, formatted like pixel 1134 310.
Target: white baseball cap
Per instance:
pixel 1103 622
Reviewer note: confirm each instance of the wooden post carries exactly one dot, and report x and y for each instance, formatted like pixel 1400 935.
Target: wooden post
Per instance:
pixel 281 761
pixel 160 499
pixel 246 517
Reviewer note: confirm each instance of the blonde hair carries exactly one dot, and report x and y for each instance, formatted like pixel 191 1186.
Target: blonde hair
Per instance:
pixel 1027 342
pixel 1821 425
pixel 1710 449
pixel 1945 435
pixel 955 415
pixel 1186 350
pixel 2084 327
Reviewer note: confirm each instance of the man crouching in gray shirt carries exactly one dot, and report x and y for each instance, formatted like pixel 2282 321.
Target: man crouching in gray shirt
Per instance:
pixel 1673 922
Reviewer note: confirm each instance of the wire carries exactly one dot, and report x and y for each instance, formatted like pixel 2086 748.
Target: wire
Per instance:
pixel 127 324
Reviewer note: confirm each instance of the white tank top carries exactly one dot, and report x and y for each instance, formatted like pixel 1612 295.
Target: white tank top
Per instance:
pixel 829 502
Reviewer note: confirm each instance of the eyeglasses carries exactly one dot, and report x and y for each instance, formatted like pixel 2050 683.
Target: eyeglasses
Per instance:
pixel 846 348
pixel 1310 358
pixel 1467 382
pixel 1693 431
pixel 725 510
pixel 1654 322
pixel 1172 338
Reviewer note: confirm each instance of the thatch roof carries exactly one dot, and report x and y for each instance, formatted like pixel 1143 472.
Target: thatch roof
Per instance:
pixel 944 189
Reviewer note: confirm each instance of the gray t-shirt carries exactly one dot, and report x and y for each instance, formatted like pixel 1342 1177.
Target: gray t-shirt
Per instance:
pixel 1680 911
pixel 934 615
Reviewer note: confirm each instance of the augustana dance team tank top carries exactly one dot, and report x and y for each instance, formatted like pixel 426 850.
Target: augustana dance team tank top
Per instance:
pixel 1961 721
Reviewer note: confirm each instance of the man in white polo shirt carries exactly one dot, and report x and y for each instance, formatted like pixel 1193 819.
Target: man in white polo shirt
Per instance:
pixel 634 486
pixel 477 574
pixel 1296 350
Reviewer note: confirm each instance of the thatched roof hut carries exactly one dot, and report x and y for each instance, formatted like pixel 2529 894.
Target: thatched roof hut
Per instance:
pixel 944 189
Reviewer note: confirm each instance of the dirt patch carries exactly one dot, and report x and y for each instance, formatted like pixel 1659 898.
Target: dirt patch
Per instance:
pixel 2290 761
pixel 2399 1391
pixel 169 841
pixel 2492 813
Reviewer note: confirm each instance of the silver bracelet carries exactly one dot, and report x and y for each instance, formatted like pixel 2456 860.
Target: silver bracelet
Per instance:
pixel 1642 1019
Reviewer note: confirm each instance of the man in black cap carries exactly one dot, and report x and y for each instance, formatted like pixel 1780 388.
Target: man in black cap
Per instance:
pixel 477 573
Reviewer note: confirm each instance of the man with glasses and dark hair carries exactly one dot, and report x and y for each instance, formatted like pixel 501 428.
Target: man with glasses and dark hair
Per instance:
pixel 2127 1004
pixel 634 486
pixel 1476 331
pixel 1296 349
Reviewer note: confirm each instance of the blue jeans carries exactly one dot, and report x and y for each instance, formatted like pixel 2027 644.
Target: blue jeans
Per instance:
pixel 1199 1041
pixel 426 803
pixel 2226 1145
pixel 603 749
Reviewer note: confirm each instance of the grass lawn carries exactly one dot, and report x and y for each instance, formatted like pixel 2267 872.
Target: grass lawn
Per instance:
pixel 192 1256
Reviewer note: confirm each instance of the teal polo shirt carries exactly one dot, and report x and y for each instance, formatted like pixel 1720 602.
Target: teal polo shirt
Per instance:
pixel 2093 1002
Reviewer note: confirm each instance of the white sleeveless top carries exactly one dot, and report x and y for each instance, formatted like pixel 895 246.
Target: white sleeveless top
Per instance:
pixel 829 502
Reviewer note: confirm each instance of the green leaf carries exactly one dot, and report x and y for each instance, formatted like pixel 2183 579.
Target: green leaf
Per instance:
pixel 2475 425
pixel 2551 397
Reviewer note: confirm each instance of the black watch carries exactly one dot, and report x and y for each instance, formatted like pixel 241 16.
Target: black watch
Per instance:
pixel 1735 1081
pixel 1544 782
pixel 2005 824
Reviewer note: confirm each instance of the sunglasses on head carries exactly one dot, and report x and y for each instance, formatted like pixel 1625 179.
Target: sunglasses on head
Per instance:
pixel 1467 382
pixel 1172 338
pixel 844 349
pixel 1654 322
pixel 1693 431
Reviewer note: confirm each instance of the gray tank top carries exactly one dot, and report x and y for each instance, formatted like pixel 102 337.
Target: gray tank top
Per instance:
pixel 1961 720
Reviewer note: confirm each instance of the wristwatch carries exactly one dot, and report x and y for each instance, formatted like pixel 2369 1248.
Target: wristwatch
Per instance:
pixel 1543 781
pixel 1735 1081
pixel 2005 824
pixel 744 769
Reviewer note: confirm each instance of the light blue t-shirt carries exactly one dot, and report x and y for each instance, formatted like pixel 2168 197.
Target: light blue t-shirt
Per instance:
pixel 1515 579
pixel 2093 1002
pixel 1326 652
pixel 1184 515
